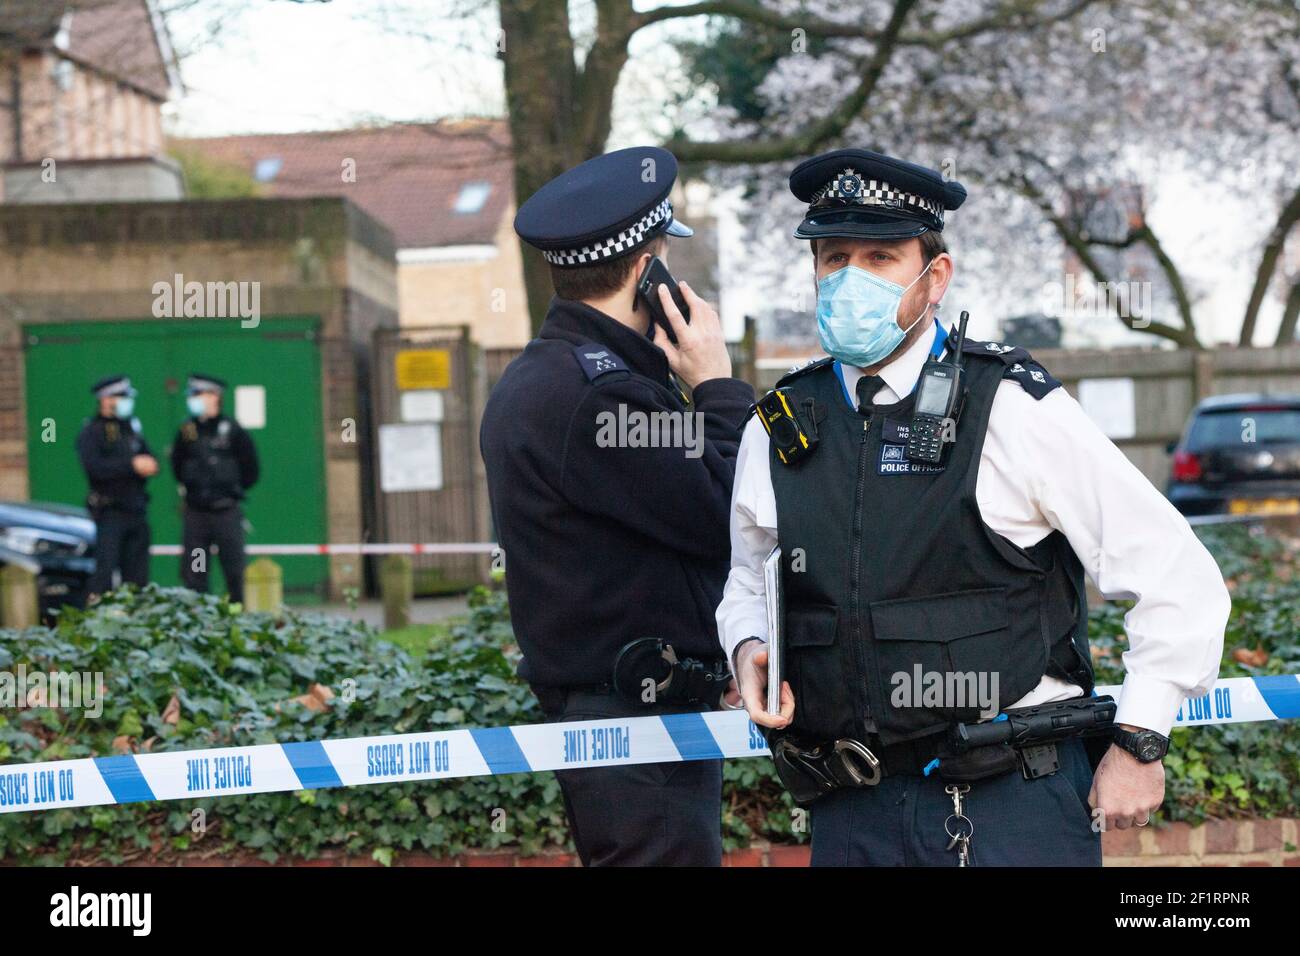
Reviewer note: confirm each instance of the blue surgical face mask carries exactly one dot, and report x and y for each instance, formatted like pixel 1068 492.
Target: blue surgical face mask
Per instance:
pixel 857 315
pixel 125 407
pixel 196 405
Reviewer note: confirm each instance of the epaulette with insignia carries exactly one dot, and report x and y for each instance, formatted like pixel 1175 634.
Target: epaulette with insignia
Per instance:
pixel 1009 354
pixel 798 370
pixel 596 360
pixel 1018 366
pixel 1032 377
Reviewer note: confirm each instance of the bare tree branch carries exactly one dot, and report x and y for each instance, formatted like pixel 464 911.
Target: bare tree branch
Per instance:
pixel 1286 331
pixel 1289 216
pixel 1014 13
pixel 1175 279
pixel 826 129
pixel 1082 248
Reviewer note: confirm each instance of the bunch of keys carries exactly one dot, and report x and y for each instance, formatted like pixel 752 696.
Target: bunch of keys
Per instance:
pixel 965 829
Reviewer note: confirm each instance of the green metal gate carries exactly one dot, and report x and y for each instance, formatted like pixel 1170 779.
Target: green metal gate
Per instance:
pixel 281 358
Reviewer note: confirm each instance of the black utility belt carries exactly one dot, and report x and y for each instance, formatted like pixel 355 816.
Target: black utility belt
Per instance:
pixel 213 509
pixel 1024 737
pixel 98 503
pixel 648 671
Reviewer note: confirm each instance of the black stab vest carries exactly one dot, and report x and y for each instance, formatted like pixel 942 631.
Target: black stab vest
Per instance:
pixel 887 565
pixel 210 472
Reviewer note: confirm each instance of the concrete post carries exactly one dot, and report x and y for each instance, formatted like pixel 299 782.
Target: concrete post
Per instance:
pixel 19 606
pixel 397 586
pixel 263 586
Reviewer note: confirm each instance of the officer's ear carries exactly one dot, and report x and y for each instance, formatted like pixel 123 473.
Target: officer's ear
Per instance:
pixel 642 261
pixel 940 274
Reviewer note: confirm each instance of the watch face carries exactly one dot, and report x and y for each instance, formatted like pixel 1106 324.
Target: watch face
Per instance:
pixel 1150 750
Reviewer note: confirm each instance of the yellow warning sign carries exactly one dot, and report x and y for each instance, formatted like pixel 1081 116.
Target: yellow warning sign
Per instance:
pixel 424 368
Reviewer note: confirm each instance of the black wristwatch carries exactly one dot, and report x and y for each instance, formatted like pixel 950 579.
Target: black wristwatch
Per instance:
pixel 1146 745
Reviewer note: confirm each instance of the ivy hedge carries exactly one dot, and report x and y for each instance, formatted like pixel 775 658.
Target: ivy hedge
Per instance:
pixel 1235 770
pixel 241 678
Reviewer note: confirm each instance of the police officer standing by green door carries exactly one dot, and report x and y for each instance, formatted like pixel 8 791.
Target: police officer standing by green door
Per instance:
pixel 117 462
pixel 937 503
pixel 616 544
pixel 215 463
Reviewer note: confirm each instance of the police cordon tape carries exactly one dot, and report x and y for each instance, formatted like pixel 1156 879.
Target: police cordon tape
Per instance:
pixel 491 547
pixel 446 547
pixel 450 754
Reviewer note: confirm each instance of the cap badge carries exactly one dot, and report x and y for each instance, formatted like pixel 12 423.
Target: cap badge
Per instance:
pixel 847 185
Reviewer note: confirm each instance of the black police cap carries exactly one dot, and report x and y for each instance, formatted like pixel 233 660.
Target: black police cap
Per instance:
pixel 604 208
pixel 112 385
pixel 860 194
pixel 204 383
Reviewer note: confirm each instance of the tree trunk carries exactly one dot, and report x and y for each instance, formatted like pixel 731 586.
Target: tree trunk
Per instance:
pixel 538 44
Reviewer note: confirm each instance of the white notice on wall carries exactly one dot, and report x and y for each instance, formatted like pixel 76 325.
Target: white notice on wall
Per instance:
pixel 1109 403
pixel 410 457
pixel 422 405
pixel 250 406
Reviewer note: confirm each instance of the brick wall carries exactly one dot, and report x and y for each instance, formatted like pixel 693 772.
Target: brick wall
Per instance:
pixel 487 294
pixel 321 257
pixel 1216 843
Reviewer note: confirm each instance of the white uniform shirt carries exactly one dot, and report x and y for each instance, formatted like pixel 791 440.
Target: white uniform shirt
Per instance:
pixel 1044 466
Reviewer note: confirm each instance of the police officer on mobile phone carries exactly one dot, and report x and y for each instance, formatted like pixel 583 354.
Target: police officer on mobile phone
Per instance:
pixel 215 464
pixel 117 462
pixel 616 540
pixel 933 554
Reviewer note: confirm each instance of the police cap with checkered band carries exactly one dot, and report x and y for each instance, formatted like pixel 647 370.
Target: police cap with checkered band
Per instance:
pixel 112 385
pixel 860 194
pixel 604 208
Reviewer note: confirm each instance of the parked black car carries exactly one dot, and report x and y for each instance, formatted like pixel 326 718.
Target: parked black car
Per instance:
pixel 54 542
pixel 1240 454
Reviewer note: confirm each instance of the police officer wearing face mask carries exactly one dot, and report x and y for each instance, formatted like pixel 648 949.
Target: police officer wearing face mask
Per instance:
pixel 924 597
pixel 215 464
pixel 118 462
pixel 616 545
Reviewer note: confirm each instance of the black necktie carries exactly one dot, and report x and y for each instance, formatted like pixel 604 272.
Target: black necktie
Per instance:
pixel 868 385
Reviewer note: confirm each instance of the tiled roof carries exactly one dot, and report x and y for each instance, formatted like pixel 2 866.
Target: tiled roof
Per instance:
pixel 116 37
pixel 410 176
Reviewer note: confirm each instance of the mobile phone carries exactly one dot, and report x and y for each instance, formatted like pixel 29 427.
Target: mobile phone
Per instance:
pixel 647 288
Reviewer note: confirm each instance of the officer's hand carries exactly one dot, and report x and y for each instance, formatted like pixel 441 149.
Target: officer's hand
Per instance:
pixel 145 466
pixel 751 675
pixel 1125 790
pixel 701 352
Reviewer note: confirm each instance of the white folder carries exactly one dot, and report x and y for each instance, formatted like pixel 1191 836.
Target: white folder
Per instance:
pixel 775 627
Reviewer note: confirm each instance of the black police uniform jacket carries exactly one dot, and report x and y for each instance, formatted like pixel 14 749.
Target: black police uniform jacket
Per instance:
pixel 215 461
pixel 106 446
pixel 604 545
pixel 888 567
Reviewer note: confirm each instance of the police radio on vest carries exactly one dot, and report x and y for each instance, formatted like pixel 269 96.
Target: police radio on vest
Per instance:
pixel 938 403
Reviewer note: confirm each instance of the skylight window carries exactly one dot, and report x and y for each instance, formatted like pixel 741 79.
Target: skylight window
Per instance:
pixel 472 197
pixel 267 169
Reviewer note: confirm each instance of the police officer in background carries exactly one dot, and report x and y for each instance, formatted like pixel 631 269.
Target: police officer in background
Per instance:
pixel 959 554
pixel 117 462
pixel 616 549
pixel 215 463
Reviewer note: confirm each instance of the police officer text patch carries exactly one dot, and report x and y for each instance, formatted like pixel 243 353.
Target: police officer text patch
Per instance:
pixel 893 461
